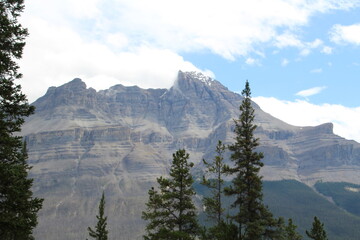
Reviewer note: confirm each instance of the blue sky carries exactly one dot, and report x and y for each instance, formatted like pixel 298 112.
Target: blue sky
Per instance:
pixel 302 57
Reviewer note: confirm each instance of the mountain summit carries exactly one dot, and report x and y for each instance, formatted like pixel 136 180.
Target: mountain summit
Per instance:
pixel 82 142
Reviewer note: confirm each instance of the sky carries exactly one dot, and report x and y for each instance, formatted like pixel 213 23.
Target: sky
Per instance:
pixel 301 57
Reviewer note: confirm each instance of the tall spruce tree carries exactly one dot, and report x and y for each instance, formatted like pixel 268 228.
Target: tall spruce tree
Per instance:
pixel 18 207
pixel 213 203
pixel 100 232
pixel 170 212
pixel 317 231
pixel 254 219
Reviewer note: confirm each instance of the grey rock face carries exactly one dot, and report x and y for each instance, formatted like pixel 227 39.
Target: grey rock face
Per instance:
pixel 120 140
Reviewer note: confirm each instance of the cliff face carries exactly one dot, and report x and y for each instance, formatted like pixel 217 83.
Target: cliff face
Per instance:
pixel 120 140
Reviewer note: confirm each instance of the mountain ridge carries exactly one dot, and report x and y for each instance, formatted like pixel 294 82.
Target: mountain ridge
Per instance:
pixel 82 142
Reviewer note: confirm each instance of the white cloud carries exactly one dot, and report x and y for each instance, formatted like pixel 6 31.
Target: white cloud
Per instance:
pixel 310 92
pixel 284 62
pixel 302 113
pixel 209 73
pixel 305 52
pixel 292 40
pixel 308 46
pixel 68 56
pixel 316 43
pixel 316 70
pixel 82 8
pixel 327 50
pixel 117 40
pixel 345 34
pixel 288 40
pixel 229 28
pixel 136 40
pixel 250 61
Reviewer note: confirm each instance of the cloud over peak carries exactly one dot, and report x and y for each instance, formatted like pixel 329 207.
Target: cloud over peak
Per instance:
pixel 112 39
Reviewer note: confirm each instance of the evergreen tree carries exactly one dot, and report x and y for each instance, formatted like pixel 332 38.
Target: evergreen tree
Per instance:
pixel 286 232
pixel 170 211
pixel 254 219
pixel 290 231
pixel 18 207
pixel 214 204
pixel 317 231
pixel 100 232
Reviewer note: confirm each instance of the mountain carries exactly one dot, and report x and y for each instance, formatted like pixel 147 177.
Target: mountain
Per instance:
pixel 120 140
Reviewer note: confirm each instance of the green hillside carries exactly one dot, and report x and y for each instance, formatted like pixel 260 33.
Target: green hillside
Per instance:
pixel 292 199
pixel 344 195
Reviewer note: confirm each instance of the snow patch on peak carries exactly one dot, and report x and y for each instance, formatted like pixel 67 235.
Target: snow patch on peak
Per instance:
pixel 201 77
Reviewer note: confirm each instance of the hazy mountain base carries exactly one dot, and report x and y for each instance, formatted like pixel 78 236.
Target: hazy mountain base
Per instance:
pixel 287 198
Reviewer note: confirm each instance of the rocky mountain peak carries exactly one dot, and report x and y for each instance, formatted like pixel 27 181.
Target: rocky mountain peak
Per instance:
pixel 196 80
pixel 193 75
pixel 196 85
pixel 74 92
pixel 326 128
pixel 75 84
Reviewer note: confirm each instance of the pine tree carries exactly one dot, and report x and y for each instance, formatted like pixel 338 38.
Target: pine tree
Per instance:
pixel 170 212
pixel 290 230
pixel 214 203
pixel 18 207
pixel 317 231
pixel 100 232
pixel 254 219
pixel 286 232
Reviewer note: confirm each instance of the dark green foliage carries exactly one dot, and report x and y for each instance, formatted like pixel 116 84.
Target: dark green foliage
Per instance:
pixel 345 195
pixel 254 219
pixel 295 200
pixel 12 38
pixel 290 231
pixel 292 199
pixel 213 203
pixel 317 231
pixel 286 232
pixel 100 232
pixel 223 230
pixel 18 208
pixel 170 211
